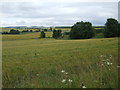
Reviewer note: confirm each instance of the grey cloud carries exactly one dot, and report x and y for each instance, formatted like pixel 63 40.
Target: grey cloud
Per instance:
pixel 56 13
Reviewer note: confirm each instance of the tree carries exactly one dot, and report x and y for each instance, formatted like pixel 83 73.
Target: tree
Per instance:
pixel 111 28
pixel 57 33
pixel 54 34
pixel 81 30
pixel 42 35
pixel 50 28
pixel 119 30
pixel 12 31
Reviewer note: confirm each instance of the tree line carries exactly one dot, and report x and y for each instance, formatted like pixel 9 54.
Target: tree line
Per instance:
pixel 85 30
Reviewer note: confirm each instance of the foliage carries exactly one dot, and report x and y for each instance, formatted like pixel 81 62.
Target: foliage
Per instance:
pixel 57 33
pixel 111 28
pixel 12 31
pixel 42 35
pixel 50 28
pixel 119 30
pixel 81 30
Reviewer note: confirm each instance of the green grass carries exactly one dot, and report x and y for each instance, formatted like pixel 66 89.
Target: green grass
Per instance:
pixel 37 63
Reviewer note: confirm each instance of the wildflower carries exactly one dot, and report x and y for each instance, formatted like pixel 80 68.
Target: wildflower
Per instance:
pixel 66 73
pixel 63 71
pixel 108 63
pixel 70 80
pixel 83 87
pixel 64 80
pixel 111 63
pixel 101 64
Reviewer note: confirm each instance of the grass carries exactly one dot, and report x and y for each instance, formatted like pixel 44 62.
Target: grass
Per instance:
pixel 37 63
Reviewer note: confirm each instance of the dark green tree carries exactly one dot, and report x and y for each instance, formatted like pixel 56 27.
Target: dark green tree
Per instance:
pixel 81 30
pixel 50 28
pixel 42 35
pixel 111 28
pixel 119 30
pixel 57 33
pixel 12 31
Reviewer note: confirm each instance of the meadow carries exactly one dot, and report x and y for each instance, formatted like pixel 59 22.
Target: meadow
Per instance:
pixel 31 62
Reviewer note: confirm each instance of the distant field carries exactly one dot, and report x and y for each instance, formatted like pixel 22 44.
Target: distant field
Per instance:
pixel 37 63
pixel 8 29
pixel 34 35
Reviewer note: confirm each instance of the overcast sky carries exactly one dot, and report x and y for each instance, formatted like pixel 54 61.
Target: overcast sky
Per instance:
pixel 55 12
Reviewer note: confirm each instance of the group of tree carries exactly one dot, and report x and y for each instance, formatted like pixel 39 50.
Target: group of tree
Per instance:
pixel 81 30
pixel 12 31
pixel 84 30
pixel 57 34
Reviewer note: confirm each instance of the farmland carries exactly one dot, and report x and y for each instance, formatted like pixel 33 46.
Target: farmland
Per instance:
pixel 30 62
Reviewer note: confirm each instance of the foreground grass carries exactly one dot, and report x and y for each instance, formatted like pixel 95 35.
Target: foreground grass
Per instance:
pixel 37 63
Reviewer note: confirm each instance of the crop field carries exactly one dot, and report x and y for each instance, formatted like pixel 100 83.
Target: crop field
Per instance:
pixel 30 62
pixel 34 35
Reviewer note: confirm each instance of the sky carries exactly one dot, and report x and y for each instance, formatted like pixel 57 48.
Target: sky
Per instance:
pixel 56 12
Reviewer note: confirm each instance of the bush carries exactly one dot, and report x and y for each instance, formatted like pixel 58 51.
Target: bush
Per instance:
pixel 111 28
pixel 81 30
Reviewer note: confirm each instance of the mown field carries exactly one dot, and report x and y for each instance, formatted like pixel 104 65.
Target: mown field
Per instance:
pixel 29 62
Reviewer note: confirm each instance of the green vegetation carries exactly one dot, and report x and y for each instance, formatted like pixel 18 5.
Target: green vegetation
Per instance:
pixel 111 29
pixel 57 34
pixel 56 61
pixel 81 30
pixel 42 35
pixel 37 63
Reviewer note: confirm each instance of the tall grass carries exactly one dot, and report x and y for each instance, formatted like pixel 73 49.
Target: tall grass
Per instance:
pixel 39 63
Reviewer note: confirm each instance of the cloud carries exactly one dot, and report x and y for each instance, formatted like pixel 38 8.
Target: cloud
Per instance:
pixel 59 12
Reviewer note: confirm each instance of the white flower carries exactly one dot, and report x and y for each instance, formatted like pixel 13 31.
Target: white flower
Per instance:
pixel 101 64
pixel 83 87
pixel 66 73
pixel 111 63
pixel 108 63
pixel 64 80
pixel 63 71
pixel 70 80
